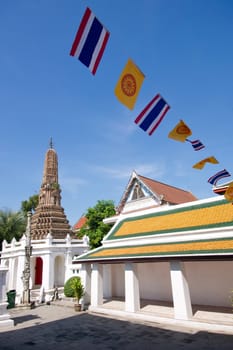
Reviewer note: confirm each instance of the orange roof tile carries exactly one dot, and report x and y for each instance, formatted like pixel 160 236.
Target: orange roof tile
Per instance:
pixel 79 224
pixel 170 194
pixel 204 247
pixel 215 214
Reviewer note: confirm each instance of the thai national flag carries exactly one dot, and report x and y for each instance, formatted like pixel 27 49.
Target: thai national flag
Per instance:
pixel 152 115
pixel 90 41
pixel 197 144
pixel 221 174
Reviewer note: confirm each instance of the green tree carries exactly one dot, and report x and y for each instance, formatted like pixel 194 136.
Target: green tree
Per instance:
pixel 12 224
pixel 30 204
pixel 94 227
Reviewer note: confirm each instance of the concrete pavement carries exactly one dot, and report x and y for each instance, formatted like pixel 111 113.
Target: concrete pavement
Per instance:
pixel 58 326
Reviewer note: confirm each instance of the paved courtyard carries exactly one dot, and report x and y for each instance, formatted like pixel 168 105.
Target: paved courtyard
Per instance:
pixel 60 327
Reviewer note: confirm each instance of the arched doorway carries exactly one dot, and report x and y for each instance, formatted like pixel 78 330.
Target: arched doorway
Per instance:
pixel 38 271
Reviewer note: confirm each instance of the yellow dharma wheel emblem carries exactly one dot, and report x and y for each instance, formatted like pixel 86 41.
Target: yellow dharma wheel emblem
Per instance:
pixel 128 85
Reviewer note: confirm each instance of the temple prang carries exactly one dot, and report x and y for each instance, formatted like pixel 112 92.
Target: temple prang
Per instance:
pixel 49 216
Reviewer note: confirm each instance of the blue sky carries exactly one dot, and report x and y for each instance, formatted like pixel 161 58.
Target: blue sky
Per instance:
pixel 185 50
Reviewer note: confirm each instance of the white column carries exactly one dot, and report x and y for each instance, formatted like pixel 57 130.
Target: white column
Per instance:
pixel 180 291
pixel 107 273
pixel 11 273
pixel 48 272
pixel 97 285
pixel 132 297
pixel 68 256
pixel 86 280
pixel 19 281
pixel 68 264
pixel 4 316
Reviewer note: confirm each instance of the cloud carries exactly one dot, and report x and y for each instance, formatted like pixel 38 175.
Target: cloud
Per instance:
pixel 126 128
pixel 72 185
pixel 116 126
pixel 180 169
pixel 154 170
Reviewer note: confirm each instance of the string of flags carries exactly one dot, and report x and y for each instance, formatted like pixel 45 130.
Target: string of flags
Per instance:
pixel 89 45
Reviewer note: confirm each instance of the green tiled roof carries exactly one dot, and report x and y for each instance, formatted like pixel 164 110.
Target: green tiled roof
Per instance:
pixel 193 217
pixel 201 247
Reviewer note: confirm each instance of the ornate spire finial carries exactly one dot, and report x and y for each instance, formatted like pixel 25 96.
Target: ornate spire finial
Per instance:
pixel 51 142
pixel 50 174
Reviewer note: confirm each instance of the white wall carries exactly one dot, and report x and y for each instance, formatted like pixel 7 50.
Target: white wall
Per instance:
pixel 210 283
pixel 154 281
pixel 118 280
pixel 142 203
pixel 59 270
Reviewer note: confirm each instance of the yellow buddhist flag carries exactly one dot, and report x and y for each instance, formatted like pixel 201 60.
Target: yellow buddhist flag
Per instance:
pixel 201 164
pixel 180 132
pixel 129 84
pixel 229 192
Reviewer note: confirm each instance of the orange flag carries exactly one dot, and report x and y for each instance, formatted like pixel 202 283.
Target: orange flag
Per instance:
pixel 201 164
pixel 180 132
pixel 229 192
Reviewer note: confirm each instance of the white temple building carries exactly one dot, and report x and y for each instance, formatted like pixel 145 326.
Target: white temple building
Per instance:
pixel 53 244
pixel 165 248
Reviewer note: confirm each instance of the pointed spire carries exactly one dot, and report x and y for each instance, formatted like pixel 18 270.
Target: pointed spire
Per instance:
pixel 51 143
pixel 49 216
pixel 50 175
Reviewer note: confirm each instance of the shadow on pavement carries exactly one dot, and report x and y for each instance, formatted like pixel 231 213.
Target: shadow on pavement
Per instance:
pixel 87 331
pixel 21 319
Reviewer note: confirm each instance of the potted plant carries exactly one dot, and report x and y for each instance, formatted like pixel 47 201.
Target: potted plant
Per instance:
pixel 79 292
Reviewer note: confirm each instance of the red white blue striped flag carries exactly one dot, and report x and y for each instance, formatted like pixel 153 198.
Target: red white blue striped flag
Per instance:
pixel 152 115
pixel 90 41
pixel 197 144
pixel 215 178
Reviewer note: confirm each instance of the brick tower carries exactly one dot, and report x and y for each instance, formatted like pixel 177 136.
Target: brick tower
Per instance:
pixel 49 216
